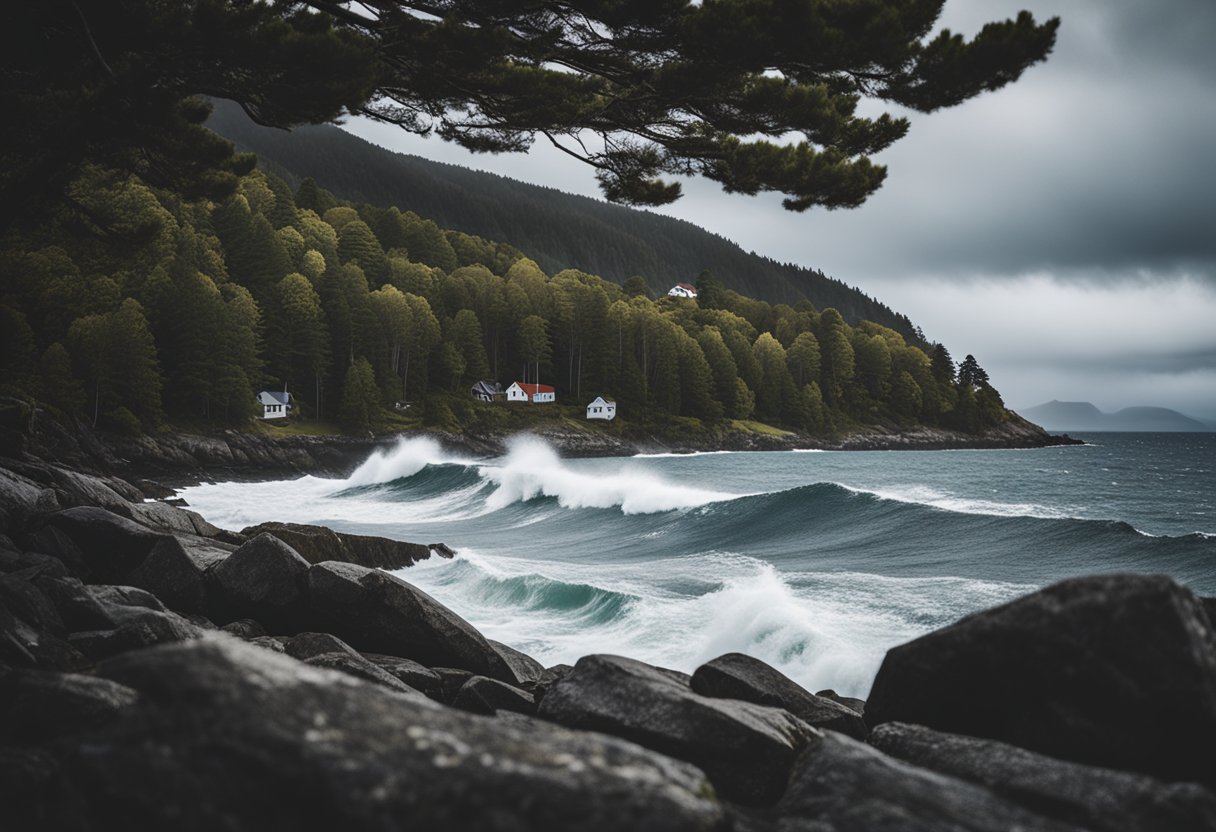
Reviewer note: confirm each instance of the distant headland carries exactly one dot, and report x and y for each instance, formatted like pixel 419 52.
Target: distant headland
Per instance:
pixel 1084 416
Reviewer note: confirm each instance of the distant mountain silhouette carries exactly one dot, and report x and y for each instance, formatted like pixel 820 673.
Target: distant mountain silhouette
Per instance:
pixel 556 229
pixel 1083 416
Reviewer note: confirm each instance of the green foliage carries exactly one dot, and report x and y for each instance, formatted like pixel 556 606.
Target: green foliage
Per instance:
pixel 57 385
pixel 119 362
pixel 175 315
pixel 360 410
pixel 700 89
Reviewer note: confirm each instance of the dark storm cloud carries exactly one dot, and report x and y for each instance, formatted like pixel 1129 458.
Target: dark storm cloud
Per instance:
pixel 1100 158
pixel 1062 229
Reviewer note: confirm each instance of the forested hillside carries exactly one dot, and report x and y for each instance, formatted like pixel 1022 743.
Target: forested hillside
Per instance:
pixel 133 306
pixel 556 229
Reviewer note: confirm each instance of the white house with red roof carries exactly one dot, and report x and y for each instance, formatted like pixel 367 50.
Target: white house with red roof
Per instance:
pixel 521 391
pixel 682 290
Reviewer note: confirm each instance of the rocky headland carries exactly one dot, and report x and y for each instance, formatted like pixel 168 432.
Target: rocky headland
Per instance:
pixel 158 672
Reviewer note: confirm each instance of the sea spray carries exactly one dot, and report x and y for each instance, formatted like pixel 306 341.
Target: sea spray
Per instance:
pixel 823 630
pixel 532 468
pixel 404 459
pixel 816 563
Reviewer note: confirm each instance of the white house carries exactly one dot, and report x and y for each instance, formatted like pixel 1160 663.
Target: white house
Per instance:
pixel 682 290
pixel 601 409
pixel 520 391
pixel 275 405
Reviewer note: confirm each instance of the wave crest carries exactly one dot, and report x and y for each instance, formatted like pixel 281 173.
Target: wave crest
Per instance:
pixel 404 459
pixel 532 468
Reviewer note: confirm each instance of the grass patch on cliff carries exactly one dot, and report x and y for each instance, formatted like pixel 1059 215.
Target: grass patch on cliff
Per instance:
pixel 752 426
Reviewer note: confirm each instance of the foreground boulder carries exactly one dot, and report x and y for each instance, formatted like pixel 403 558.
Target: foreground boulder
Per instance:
pixel 264 579
pixel 377 612
pixel 842 785
pixel 36 706
pixel 736 676
pixel 176 569
pixel 317 544
pixel 747 750
pixel 1114 670
pixel 224 735
pixel 109 546
pixel 1096 798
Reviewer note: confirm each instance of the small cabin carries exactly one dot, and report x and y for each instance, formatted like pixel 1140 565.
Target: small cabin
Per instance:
pixel 601 408
pixel 682 290
pixel 486 391
pixel 521 391
pixel 275 405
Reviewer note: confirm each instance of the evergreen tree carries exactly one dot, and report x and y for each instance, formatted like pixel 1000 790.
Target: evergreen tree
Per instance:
pixel 707 86
pixel 299 339
pixel 837 359
pixel 57 386
pixel 534 345
pixel 17 352
pixel 906 396
pixel 357 244
pixel 942 364
pixel 466 337
pixel 969 372
pixel 360 410
pixel 775 397
pixel 803 355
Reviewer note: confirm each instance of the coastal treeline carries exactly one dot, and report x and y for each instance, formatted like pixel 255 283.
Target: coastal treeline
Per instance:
pixel 558 230
pixel 135 305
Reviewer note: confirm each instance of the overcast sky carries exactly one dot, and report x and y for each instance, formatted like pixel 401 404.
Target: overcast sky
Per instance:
pixel 1063 230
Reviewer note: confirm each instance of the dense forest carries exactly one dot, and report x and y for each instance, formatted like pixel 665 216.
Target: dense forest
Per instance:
pixel 134 306
pixel 557 230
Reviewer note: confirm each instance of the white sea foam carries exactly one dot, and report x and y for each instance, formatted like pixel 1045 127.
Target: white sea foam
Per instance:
pixel 822 630
pixel 532 469
pixel 926 496
pixel 404 459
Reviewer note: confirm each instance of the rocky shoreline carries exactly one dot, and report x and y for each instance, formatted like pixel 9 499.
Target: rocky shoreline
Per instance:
pixel 180 458
pixel 158 672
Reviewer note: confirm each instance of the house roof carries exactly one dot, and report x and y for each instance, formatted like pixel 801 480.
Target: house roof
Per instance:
pixel 688 287
pixel 487 387
pixel 282 397
pixel 533 389
pixel 601 400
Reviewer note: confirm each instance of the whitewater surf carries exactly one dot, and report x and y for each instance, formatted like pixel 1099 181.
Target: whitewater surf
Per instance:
pixel 816 563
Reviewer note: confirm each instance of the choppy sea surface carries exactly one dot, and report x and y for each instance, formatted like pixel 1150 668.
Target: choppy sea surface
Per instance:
pixel 816 562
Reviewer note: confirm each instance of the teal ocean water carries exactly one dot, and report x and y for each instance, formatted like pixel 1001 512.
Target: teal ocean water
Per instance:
pixel 816 562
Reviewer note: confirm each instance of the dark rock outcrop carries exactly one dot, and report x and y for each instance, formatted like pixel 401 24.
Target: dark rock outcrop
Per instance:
pixel 1114 670
pixel 480 695
pixel 352 664
pixel 842 785
pixel 140 627
pixel 37 706
pixel 224 734
pixel 317 544
pixel 746 750
pixel 264 579
pixel 417 676
pixel 851 702
pixel 526 670
pixel 374 611
pixel 736 676
pixel 1101 799
pixel 176 571
pixel 110 546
